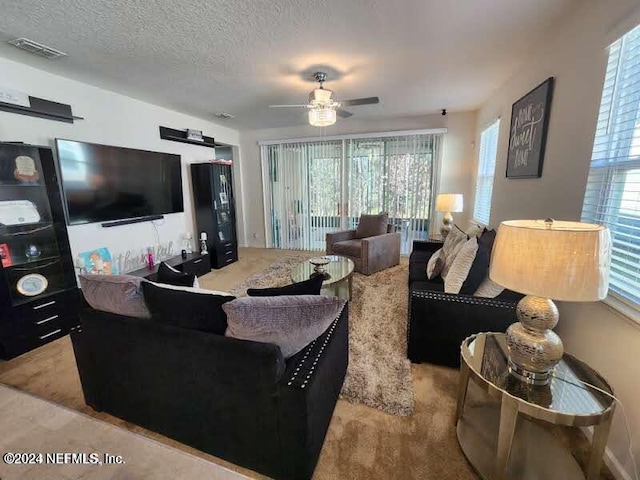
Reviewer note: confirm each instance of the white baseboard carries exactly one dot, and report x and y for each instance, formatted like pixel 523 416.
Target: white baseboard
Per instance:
pixel 610 459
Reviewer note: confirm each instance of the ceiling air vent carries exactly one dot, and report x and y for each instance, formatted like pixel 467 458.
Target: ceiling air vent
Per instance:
pixel 224 115
pixel 37 48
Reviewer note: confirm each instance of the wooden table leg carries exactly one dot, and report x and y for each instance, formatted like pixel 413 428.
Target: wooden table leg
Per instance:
pixel 600 437
pixel 463 386
pixel 507 429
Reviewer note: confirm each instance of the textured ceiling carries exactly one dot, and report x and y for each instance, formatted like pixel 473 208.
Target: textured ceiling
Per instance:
pixel 240 56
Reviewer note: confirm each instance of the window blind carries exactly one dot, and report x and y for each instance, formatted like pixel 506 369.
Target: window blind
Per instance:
pixel 486 172
pixel 612 196
pixel 317 187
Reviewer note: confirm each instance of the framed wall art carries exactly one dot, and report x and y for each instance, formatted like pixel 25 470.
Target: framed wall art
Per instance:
pixel 528 132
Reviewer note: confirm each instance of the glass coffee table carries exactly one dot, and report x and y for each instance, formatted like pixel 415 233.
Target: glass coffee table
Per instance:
pixel 502 435
pixel 339 273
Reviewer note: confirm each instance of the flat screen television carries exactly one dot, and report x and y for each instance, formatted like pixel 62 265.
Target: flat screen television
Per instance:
pixel 103 183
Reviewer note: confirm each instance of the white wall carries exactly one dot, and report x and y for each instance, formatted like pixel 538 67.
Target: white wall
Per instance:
pixel 110 119
pixel 455 175
pixel 575 54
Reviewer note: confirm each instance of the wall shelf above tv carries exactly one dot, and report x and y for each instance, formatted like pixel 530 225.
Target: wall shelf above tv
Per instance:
pixel 167 133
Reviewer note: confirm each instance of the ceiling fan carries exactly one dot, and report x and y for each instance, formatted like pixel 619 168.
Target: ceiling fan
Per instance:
pixel 323 107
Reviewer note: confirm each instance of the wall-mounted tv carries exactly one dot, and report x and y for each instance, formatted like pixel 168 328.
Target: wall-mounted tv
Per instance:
pixel 103 183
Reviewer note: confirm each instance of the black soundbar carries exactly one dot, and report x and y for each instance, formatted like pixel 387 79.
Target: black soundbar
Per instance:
pixel 128 221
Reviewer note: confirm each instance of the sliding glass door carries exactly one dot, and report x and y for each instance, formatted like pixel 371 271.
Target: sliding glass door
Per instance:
pixel 323 186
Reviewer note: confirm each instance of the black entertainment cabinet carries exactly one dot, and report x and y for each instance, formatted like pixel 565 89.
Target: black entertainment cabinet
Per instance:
pixel 215 210
pixel 38 290
pixel 195 263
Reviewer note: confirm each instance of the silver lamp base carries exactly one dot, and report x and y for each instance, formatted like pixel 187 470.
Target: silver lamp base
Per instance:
pixel 534 349
pixel 447 223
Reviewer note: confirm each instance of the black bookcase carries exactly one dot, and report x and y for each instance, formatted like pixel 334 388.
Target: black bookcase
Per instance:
pixel 38 291
pixel 215 211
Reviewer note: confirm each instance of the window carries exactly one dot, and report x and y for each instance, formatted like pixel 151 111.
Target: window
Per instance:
pixel 486 172
pixel 612 196
pixel 320 186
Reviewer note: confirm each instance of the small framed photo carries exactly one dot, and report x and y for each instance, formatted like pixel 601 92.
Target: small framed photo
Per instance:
pixel 5 255
pixel 223 198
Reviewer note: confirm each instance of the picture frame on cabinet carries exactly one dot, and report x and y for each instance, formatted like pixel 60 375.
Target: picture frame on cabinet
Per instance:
pixel 5 255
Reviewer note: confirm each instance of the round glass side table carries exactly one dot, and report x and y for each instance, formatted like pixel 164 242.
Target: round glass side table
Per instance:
pixel 504 439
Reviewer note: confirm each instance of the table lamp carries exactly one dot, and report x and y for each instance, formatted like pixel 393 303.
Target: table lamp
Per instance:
pixel 545 260
pixel 448 202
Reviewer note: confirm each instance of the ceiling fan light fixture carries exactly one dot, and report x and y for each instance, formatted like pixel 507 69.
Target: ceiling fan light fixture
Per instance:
pixel 322 117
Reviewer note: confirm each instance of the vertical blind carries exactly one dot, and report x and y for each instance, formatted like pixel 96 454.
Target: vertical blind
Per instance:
pixel 486 172
pixel 305 193
pixel 323 186
pixel 612 195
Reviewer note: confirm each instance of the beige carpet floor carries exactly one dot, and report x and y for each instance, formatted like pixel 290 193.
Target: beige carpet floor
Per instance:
pixel 31 424
pixel 379 373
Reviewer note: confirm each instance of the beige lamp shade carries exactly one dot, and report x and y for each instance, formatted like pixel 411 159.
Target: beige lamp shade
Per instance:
pixel 552 259
pixel 449 202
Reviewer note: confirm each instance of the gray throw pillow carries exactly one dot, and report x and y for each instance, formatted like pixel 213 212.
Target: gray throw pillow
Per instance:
pixel 120 294
pixel 291 322
pixel 372 225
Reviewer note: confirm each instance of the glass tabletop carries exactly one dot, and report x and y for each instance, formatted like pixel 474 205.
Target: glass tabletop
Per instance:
pixel 340 268
pixel 486 355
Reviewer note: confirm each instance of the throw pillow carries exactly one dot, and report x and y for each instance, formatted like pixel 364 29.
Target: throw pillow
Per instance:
pixel 170 276
pixel 478 271
pixel 119 294
pixel 488 289
pixel 461 266
pixel 451 246
pixel 187 307
pixel 291 322
pixel 307 287
pixel 435 264
pixel 486 240
pixel 372 225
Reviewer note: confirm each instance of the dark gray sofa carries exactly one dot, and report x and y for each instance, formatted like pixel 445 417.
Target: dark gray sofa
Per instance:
pixel 438 322
pixel 235 399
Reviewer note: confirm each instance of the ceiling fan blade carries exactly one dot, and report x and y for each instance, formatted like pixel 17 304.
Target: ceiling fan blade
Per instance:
pixel 287 106
pixel 343 113
pixel 359 101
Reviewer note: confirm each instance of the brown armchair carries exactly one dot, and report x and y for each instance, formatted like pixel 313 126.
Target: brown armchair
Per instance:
pixel 370 254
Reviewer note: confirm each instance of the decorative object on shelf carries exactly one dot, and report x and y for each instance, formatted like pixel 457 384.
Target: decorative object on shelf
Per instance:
pixel 547 259
pixel 32 252
pixel 149 257
pixel 194 135
pixel 5 255
pixel 447 203
pixel 188 238
pixel 223 198
pixel 183 137
pixel 26 170
pixel 183 254
pixel 32 284
pixel 80 265
pixel 99 262
pixel 203 243
pixel 135 259
pixel 528 132
pixel 16 212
